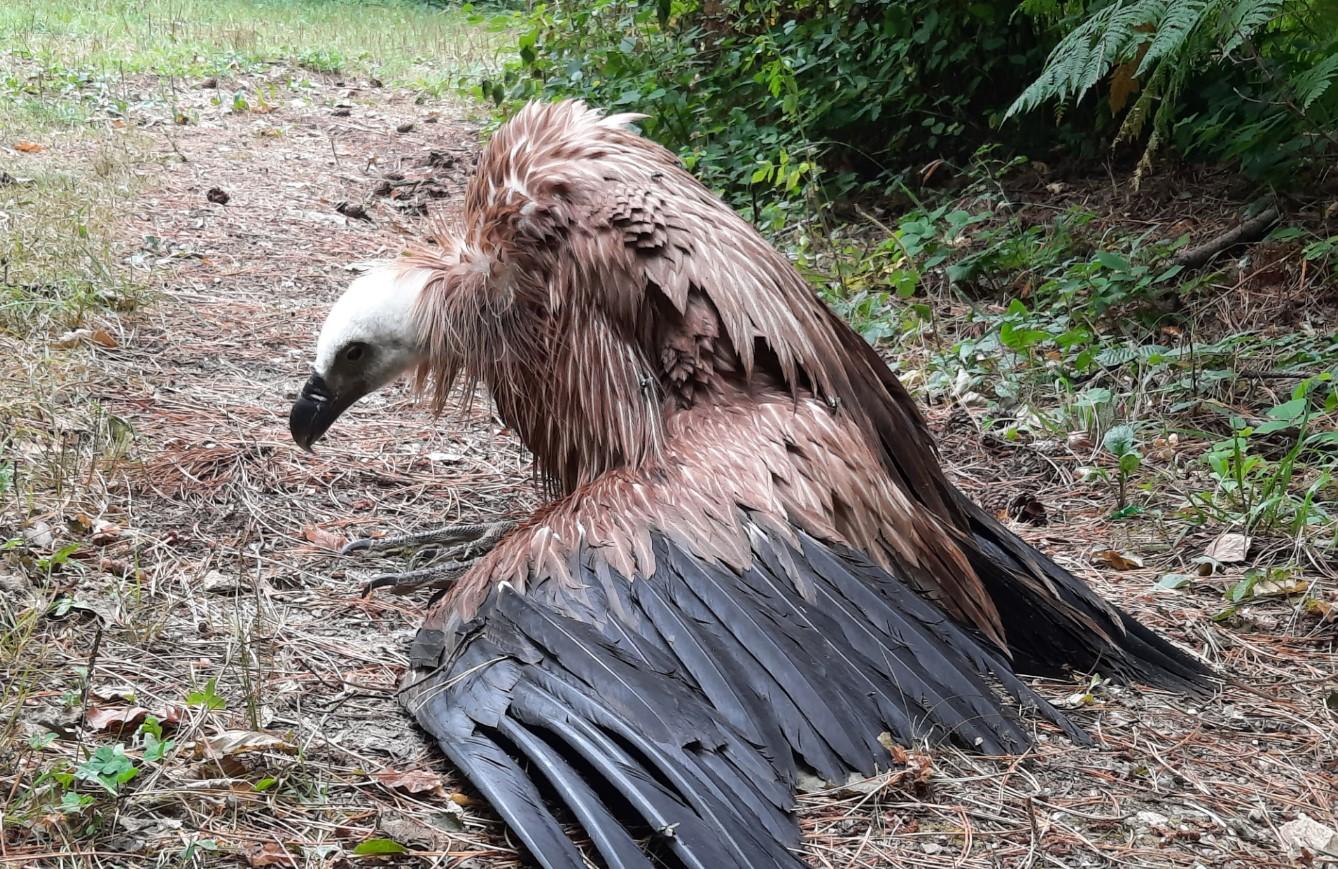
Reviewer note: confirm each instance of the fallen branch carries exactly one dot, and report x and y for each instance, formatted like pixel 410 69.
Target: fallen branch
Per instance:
pixel 1249 231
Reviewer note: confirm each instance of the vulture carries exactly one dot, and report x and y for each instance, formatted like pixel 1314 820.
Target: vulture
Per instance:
pixel 751 565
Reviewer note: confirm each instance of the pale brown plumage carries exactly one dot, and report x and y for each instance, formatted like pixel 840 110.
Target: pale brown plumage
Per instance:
pixel 742 488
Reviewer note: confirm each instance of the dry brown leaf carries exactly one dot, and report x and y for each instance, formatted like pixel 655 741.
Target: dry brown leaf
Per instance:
pixel 413 781
pixel 1118 560
pixel 1122 84
pixel 234 742
pixel 1279 588
pixel 28 147
pixel 1229 548
pixel 269 854
pixel 106 533
pixel 322 538
pixel 103 338
pixel 114 719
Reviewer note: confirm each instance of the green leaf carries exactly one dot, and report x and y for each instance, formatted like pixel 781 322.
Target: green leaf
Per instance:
pixel 207 697
pixel 1175 580
pixel 379 847
pixel 1291 411
pixel 1112 260
pixel 1119 440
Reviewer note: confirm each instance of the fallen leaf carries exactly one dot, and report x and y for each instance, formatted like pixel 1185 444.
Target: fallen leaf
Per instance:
pixel 402 828
pixel 1229 548
pixel 28 147
pixel 103 338
pixel 1174 580
pixel 105 533
pixel 112 693
pixel 71 339
pixel 447 458
pixel 1279 588
pixel 269 854
pixel 217 582
pixel 322 538
pixel 234 742
pixel 1117 560
pixel 413 781
pixel 114 719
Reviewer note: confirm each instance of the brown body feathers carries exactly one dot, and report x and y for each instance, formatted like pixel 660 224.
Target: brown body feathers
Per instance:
pixel 725 454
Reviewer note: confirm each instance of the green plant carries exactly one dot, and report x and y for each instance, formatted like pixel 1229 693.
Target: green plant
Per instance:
pixel 760 96
pixel 208 696
pixel 1258 492
pixel 1120 443
pixel 1184 67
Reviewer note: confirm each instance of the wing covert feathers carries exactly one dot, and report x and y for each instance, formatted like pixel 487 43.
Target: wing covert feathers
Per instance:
pixel 672 728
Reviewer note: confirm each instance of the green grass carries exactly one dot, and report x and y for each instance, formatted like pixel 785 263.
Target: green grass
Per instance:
pixel 405 43
pixel 77 78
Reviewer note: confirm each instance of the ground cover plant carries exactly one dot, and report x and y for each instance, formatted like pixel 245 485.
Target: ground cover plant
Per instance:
pixel 188 674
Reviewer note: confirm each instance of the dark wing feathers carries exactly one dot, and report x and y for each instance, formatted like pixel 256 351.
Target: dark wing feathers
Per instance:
pixel 671 729
pixel 1064 624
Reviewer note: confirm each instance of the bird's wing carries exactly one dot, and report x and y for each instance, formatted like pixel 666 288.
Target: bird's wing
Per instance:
pixel 685 246
pixel 666 715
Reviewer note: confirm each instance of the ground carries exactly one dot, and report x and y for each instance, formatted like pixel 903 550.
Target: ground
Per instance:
pixel 171 554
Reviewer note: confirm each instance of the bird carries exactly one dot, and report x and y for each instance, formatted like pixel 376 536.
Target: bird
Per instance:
pixel 751 563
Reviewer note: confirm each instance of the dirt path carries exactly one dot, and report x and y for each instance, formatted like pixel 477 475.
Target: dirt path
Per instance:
pixel 220 568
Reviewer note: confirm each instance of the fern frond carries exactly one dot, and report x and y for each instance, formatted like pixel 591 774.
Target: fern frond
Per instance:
pixel 1174 30
pixel 1086 53
pixel 1312 84
pixel 1244 18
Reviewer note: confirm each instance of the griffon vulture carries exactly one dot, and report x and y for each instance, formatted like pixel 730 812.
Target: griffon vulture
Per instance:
pixel 752 562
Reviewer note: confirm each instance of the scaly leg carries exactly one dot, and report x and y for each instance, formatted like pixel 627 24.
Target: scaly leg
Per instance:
pixel 450 551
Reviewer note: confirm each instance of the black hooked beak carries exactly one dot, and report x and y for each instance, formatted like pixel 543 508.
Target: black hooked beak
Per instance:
pixel 315 410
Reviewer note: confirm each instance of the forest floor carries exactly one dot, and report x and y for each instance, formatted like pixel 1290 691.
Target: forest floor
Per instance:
pixel 171 573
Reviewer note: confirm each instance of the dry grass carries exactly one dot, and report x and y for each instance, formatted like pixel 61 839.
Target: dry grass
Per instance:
pixel 201 535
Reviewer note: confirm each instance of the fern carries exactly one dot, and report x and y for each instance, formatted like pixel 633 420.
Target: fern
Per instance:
pixel 1173 32
pixel 1312 83
pixel 1169 42
pixel 1245 17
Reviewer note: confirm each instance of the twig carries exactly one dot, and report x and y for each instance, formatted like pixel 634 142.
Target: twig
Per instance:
pixel 1248 231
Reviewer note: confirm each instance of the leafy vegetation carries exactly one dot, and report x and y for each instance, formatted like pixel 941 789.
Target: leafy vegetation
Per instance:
pixel 762 97
pixel 1069 331
pixel 1246 80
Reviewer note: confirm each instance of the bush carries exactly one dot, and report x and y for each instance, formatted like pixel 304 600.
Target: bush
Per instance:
pixel 758 94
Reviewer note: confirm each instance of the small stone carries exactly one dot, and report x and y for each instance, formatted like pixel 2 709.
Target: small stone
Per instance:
pixel 1151 819
pixel 1307 834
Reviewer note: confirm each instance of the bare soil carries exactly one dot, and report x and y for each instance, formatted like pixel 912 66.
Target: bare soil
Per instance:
pixel 207 552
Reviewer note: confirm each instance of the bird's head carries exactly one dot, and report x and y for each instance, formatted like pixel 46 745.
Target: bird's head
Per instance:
pixel 370 337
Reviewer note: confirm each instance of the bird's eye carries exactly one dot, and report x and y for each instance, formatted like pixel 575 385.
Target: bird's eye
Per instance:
pixel 354 352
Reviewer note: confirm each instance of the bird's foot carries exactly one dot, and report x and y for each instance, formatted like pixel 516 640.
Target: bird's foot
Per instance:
pixel 446 552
